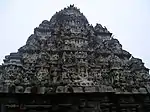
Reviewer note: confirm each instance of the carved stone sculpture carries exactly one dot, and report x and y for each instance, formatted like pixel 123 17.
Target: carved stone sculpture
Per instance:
pixel 67 54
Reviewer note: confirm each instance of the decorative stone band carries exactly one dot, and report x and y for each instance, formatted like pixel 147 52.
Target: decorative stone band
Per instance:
pixel 69 89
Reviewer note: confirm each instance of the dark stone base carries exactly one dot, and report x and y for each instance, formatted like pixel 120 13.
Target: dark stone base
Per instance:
pixel 75 102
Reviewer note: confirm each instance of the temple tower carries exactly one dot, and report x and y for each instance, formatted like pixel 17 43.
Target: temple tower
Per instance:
pixel 68 55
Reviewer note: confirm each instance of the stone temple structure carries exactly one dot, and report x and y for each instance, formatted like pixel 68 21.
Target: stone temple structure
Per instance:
pixel 68 65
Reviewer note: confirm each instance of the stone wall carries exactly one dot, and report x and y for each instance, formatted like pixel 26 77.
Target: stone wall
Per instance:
pixel 64 102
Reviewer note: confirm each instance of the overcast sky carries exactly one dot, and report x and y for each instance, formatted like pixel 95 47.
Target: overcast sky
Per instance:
pixel 128 20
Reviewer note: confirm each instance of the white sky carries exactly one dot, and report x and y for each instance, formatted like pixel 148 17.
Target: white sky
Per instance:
pixel 128 20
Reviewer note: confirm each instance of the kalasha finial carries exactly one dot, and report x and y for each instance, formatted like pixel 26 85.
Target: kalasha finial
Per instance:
pixel 72 5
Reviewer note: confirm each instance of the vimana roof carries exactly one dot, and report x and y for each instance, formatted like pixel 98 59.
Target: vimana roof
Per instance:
pixel 68 55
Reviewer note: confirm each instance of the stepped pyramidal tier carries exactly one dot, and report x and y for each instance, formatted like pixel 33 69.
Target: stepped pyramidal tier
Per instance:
pixel 67 55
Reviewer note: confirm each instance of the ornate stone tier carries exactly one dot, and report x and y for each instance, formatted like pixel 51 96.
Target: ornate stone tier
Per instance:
pixel 76 88
pixel 68 55
pixel 13 59
pixel 69 15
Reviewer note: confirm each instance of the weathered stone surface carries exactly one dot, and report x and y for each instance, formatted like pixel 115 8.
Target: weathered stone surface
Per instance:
pixel 78 89
pixel 142 90
pixel 135 91
pixel 86 102
pixel 148 89
pixel 27 90
pixel 41 90
pixel 5 89
pixel 66 54
pixel 104 88
pixel 89 89
pixel 1 88
pixel 19 89
pixel 60 89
